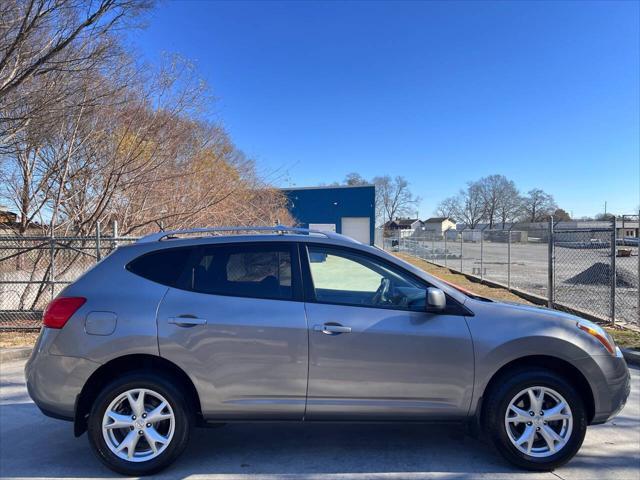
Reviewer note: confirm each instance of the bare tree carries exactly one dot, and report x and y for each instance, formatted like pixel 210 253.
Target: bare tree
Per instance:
pixel 43 157
pixel 38 36
pixel 448 207
pixel 494 189
pixel 46 48
pixel 510 203
pixel 136 152
pixel 87 135
pixel 605 216
pixel 561 215
pixel 354 179
pixel 141 156
pixel 470 205
pixel 538 205
pixel 393 198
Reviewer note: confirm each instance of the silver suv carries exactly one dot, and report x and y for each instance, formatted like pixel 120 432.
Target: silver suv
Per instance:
pixel 289 324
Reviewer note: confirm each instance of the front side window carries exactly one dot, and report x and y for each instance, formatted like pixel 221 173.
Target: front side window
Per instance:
pixel 349 278
pixel 244 270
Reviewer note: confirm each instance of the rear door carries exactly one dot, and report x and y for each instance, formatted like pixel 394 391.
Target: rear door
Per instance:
pixel 236 324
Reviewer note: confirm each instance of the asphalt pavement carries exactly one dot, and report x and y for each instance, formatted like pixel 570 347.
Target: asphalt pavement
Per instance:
pixel 34 446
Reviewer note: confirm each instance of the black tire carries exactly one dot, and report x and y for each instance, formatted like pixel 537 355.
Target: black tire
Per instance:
pixel 496 404
pixel 183 420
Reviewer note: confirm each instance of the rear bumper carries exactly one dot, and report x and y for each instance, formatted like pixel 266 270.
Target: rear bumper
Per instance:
pixel 54 381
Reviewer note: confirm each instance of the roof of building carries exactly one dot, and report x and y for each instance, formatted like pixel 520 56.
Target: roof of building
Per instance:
pixel 437 220
pixel 326 187
pixel 627 224
pixel 406 221
pixel 7 217
pixel 402 223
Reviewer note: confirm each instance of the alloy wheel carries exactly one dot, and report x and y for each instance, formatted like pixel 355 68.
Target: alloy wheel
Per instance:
pixel 138 425
pixel 538 421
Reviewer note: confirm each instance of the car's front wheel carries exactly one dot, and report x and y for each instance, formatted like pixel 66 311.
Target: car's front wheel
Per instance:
pixel 139 424
pixel 536 419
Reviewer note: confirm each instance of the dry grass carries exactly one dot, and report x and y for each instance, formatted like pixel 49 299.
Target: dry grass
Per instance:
pixel 17 339
pixel 447 275
pixel 623 337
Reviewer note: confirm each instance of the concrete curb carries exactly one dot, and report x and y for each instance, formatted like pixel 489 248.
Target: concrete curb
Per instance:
pixel 10 354
pixel 631 356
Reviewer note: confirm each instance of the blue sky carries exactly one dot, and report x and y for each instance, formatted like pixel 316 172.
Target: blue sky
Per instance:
pixel 546 93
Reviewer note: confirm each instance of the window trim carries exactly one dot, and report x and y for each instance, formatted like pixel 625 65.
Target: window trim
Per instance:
pixel 453 306
pixel 296 280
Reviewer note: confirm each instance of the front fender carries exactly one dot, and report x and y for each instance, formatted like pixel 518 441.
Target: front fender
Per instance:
pixel 490 361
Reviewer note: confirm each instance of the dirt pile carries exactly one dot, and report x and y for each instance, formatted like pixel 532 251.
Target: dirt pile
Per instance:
pixel 600 274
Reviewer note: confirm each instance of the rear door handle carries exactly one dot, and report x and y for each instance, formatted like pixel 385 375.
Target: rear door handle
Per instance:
pixel 331 329
pixel 187 321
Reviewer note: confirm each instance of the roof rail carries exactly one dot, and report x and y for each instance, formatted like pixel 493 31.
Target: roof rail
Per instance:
pixel 279 229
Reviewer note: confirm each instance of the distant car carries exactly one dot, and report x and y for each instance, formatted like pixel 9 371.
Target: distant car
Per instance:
pixel 290 324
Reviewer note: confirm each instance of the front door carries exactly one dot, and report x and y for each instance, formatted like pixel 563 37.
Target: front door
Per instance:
pixel 375 353
pixel 237 325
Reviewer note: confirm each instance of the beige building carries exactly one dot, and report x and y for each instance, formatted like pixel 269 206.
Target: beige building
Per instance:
pixel 627 229
pixel 439 225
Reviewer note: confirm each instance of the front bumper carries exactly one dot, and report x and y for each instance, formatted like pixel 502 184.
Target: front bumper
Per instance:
pixel 55 381
pixel 613 387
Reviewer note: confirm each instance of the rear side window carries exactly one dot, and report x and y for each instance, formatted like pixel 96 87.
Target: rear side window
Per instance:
pixel 259 271
pixel 163 266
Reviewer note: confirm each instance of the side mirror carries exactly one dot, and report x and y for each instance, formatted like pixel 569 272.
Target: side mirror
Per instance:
pixel 436 300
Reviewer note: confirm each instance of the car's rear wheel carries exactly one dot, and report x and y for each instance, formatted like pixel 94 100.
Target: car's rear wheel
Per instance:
pixel 139 424
pixel 536 419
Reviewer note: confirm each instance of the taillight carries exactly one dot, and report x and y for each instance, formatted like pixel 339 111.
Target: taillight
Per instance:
pixel 60 310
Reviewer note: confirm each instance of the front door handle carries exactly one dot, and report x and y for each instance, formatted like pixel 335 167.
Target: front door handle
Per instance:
pixel 187 321
pixel 331 328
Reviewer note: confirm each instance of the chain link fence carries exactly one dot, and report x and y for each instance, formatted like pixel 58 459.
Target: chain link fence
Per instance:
pixel 34 269
pixel 587 270
pixel 583 271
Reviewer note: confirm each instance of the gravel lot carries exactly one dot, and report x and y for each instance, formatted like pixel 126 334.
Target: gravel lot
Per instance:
pixel 529 263
pixel 34 446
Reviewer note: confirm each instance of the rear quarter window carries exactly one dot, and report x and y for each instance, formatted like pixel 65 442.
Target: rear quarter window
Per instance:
pixel 163 266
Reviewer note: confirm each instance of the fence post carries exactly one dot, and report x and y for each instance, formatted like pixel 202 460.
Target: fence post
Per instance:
pixel 52 263
pixel 433 247
pixel 482 253
pixel 509 258
pixel 115 235
pixel 461 236
pixel 445 246
pixel 98 242
pixel 550 266
pixel 613 272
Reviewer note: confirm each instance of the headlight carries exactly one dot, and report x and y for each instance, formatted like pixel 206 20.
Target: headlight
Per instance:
pixel 599 333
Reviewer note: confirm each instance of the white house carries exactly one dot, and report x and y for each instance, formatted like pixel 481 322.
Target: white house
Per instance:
pixel 438 225
pixel 402 227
